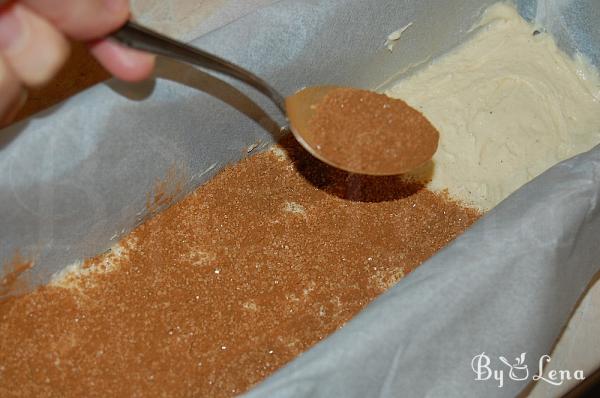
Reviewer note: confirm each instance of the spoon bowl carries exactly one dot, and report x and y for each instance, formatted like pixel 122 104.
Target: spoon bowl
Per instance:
pixel 361 131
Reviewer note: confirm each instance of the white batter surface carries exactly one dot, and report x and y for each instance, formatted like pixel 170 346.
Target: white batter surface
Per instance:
pixel 508 105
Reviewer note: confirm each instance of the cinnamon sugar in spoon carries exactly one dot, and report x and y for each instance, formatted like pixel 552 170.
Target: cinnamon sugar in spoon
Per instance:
pixel 361 131
pixel 355 130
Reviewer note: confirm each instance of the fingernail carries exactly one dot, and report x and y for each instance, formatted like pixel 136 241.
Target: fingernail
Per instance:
pixel 116 6
pixel 10 28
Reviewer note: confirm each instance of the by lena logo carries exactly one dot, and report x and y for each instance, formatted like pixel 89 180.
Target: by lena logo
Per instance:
pixel 518 370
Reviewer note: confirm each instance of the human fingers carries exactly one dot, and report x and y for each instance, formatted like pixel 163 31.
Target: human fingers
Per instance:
pixel 33 49
pixel 90 20
pixel 125 63
pixel 83 19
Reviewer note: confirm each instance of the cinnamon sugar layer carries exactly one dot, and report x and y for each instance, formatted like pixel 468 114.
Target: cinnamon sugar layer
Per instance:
pixel 218 291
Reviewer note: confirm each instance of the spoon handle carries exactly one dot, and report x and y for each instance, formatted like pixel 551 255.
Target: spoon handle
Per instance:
pixel 141 38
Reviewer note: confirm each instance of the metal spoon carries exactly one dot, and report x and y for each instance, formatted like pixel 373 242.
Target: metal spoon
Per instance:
pixel 298 108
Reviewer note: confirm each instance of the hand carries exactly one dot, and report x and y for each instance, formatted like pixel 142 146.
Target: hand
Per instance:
pixel 33 44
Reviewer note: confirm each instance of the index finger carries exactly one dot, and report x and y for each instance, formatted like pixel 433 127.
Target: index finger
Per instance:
pixel 82 19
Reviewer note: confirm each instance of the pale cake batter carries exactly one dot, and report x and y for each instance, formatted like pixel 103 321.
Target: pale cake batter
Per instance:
pixel 508 105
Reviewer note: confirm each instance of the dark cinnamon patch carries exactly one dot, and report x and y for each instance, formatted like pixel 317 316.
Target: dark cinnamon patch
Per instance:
pixel 11 282
pixel 166 190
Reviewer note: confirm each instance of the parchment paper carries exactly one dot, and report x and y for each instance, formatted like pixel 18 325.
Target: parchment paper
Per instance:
pixel 77 177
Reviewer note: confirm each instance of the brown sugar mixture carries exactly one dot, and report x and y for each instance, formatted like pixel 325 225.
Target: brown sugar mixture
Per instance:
pixel 221 289
pixel 371 133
